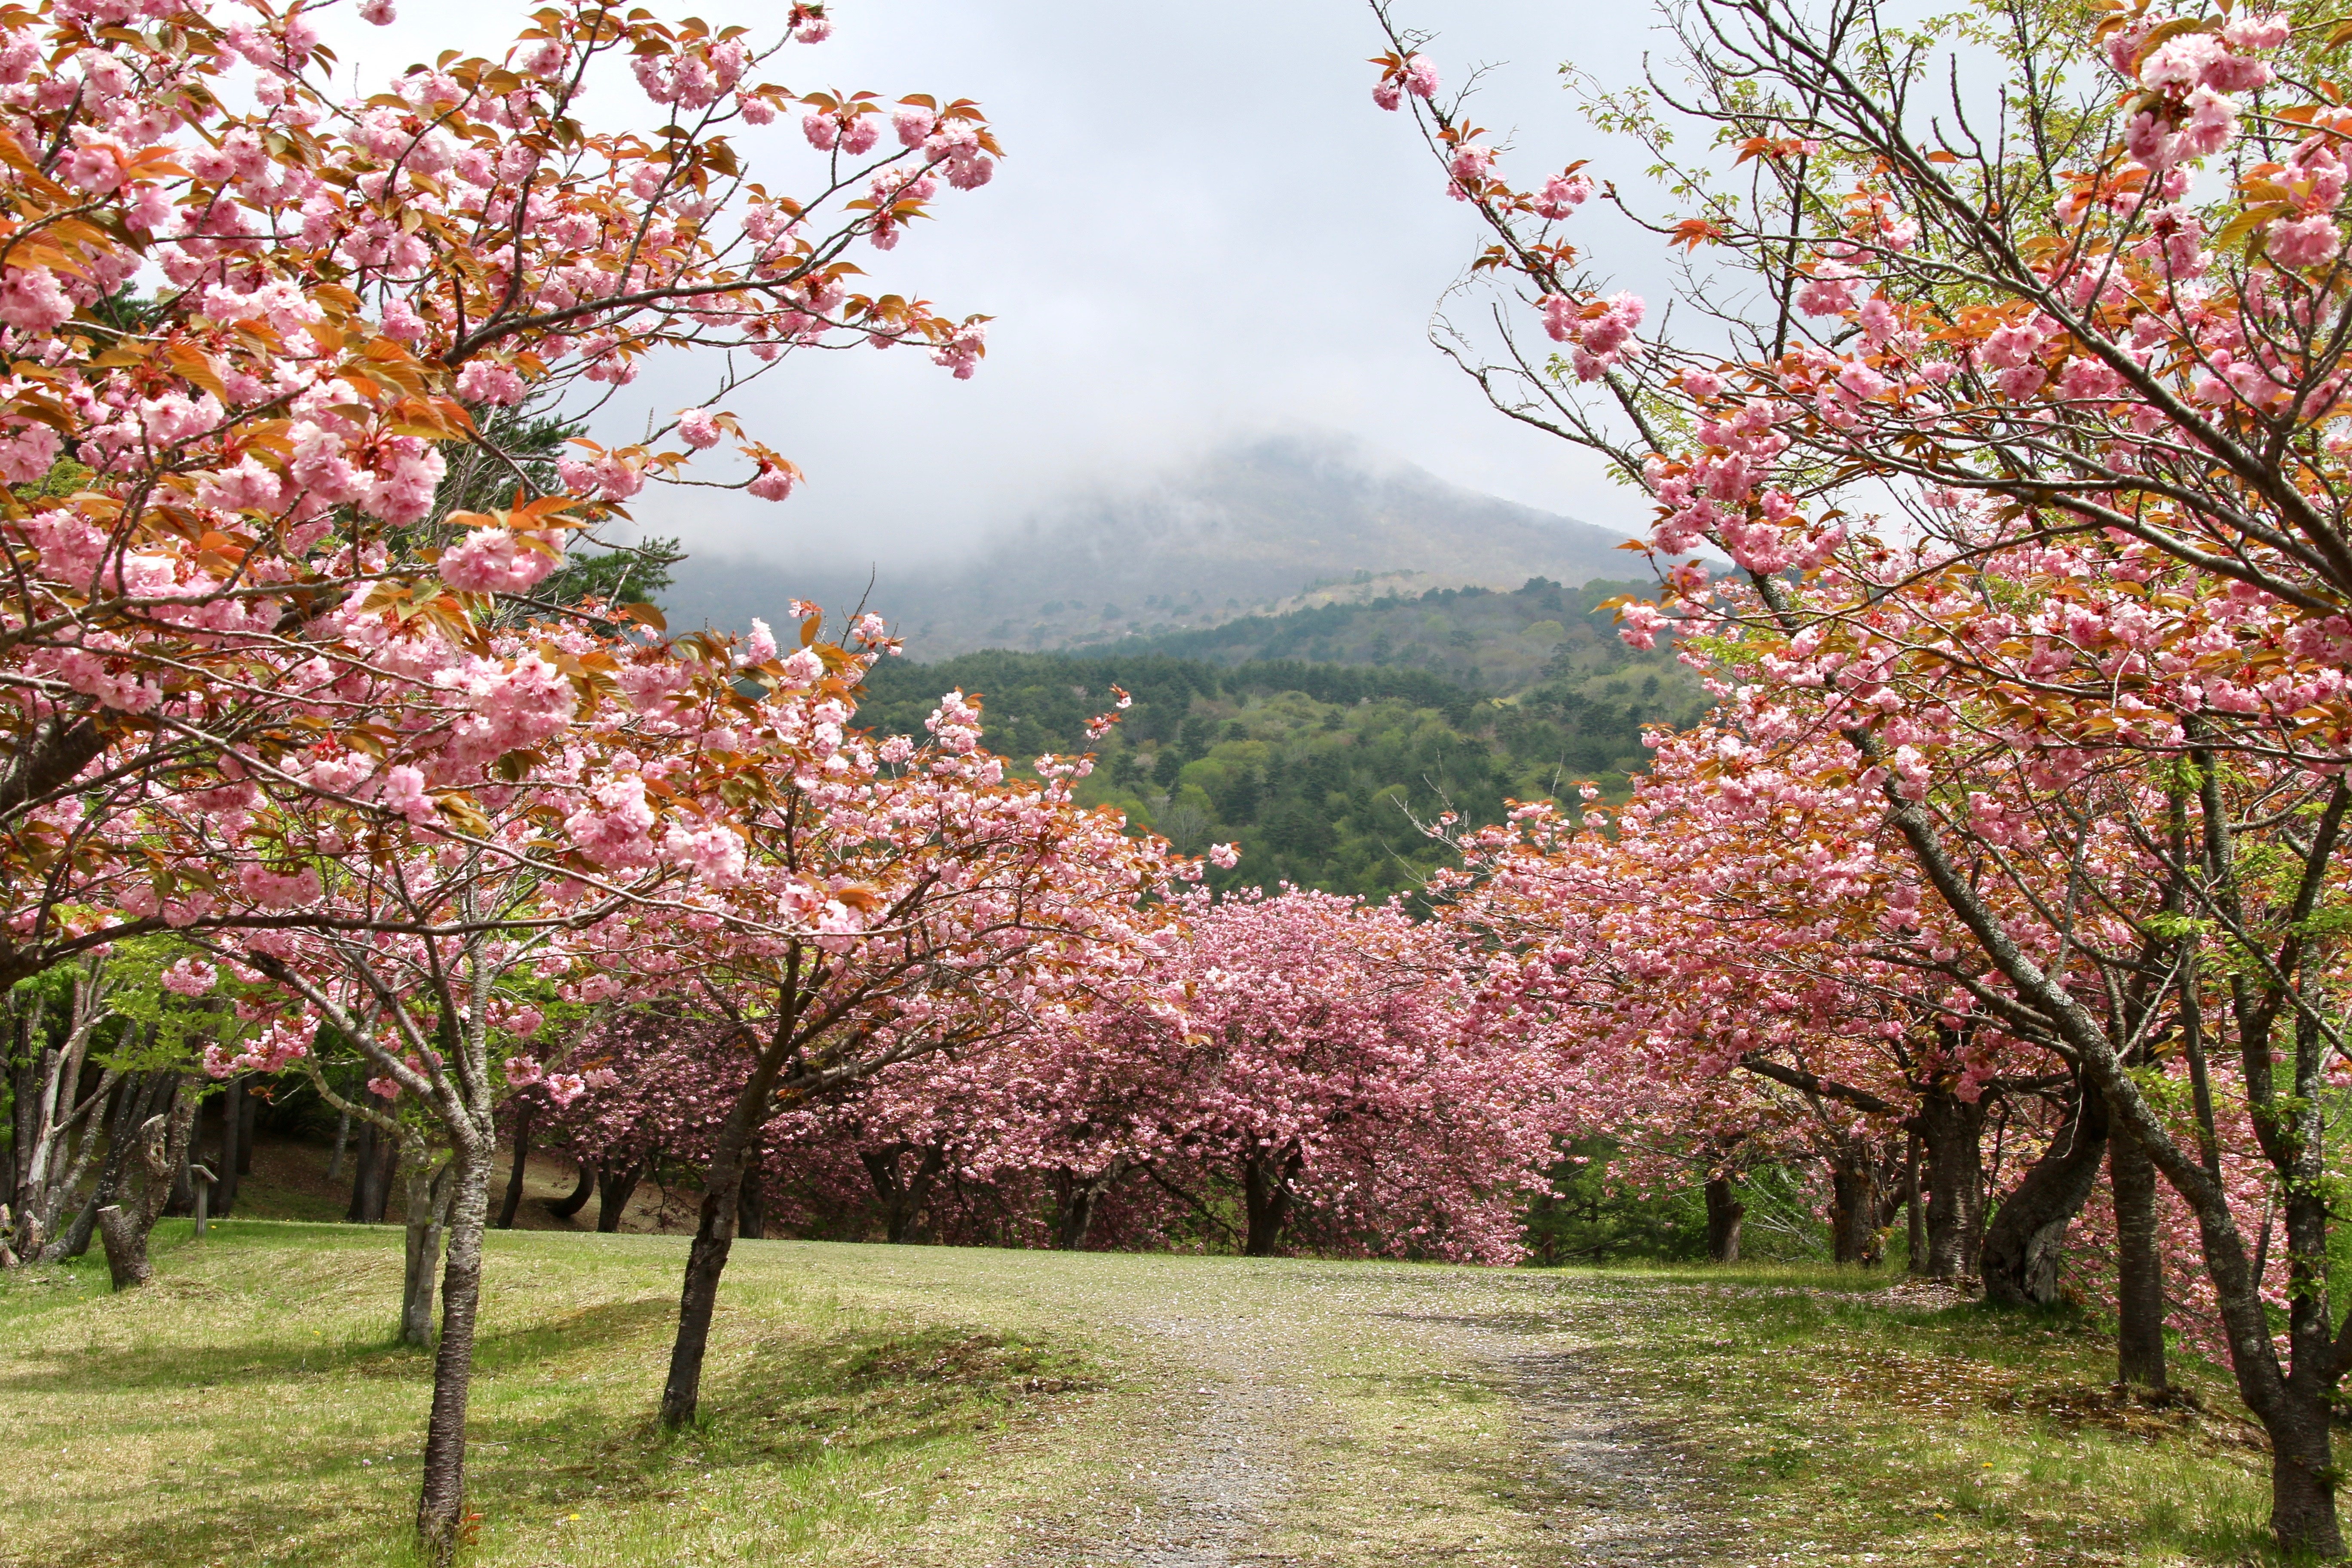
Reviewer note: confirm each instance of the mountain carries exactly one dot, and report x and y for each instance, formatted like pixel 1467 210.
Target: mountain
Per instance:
pixel 1275 525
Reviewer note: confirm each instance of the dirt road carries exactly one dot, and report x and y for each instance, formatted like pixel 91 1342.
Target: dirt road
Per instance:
pixel 1277 1410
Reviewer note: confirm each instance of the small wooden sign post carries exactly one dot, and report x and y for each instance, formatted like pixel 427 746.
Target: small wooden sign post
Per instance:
pixel 202 1178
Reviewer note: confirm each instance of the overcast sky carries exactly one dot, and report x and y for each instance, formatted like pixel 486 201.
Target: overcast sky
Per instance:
pixel 1204 230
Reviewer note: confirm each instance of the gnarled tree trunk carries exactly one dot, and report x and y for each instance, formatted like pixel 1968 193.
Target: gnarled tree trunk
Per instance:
pixel 2026 1241
pixel 123 1226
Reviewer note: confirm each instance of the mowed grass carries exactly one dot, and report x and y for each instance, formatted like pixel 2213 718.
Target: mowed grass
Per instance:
pixel 1843 1424
pixel 250 1408
pixel 878 1405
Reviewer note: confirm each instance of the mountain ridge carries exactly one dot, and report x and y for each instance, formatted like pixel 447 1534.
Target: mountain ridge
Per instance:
pixel 1279 522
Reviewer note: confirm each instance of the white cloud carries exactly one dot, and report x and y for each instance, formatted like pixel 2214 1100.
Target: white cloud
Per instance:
pixel 1204 229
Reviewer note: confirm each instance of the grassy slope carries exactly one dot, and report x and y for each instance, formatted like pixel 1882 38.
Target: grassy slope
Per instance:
pixel 879 1405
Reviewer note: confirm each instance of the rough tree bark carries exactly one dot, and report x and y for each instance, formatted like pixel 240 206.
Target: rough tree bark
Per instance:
pixel 123 1226
pixel 2026 1242
pixel 1723 1213
pixel 2140 1268
pixel 1952 1130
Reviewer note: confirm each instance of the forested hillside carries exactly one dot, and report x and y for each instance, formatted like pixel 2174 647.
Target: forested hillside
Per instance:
pixel 1487 640
pixel 1323 770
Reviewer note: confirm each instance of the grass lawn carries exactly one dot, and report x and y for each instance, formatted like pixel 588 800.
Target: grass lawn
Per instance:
pixel 1844 1425
pixel 250 1408
pixel 875 1404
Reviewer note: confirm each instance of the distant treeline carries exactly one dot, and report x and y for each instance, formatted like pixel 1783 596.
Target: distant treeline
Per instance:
pixel 1323 771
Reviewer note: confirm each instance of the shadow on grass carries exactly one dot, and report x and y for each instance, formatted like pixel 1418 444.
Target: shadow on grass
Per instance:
pixel 103 1368
pixel 802 1405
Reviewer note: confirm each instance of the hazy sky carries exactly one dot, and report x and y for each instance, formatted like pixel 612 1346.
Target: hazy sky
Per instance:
pixel 1204 229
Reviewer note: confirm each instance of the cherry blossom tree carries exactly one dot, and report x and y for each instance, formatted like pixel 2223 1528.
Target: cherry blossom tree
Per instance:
pixel 249 322
pixel 871 901
pixel 1330 1075
pixel 2029 451
pixel 259 620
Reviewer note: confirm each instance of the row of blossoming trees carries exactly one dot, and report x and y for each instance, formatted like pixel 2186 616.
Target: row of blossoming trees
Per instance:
pixel 2018 409
pixel 289 694
pixel 2019 820
pixel 277 680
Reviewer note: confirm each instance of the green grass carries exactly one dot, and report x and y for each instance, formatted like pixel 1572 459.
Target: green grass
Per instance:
pixel 876 1405
pixel 251 1409
pixel 1837 1416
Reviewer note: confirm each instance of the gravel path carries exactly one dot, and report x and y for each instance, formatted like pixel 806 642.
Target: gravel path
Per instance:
pixel 1351 1415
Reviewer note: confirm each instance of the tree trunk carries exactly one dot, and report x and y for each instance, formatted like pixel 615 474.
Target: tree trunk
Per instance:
pixel 377 1164
pixel 1724 1213
pixel 126 1248
pixel 2026 1242
pixel 230 1165
pixel 23 1133
pixel 902 1193
pixel 584 1189
pixel 426 1220
pixel 1854 1210
pixel 1081 1196
pixel 1266 1196
pixel 1915 1208
pixel 342 1145
pixel 1952 1133
pixel 513 1202
pixel 123 1227
pixel 2140 1268
pixel 752 1203
pixel 614 1186
pixel 706 1261
pixel 139 1098
pixel 441 1508
pixel 362 1162
pixel 248 1118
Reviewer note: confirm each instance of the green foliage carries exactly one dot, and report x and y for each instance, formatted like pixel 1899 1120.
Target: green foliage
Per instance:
pixel 1323 772
pixel 1593 1215
pixel 620 574
pixel 1477 638
pixel 1586 1217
